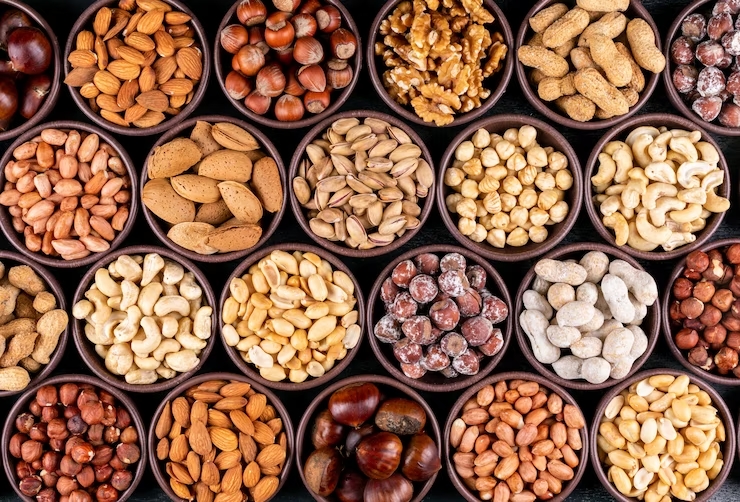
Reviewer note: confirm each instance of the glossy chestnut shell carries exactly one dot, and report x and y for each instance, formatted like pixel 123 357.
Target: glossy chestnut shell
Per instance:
pixel 379 455
pixel 354 404
pixel 401 416
pixel 420 458
pixel 326 432
pixel 393 489
pixel 29 50
pixel 322 471
pixel 351 487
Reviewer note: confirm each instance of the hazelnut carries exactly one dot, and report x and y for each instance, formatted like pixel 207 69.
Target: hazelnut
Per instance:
pixel 123 418
pixel 682 288
pixel 103 454
pixel 31 451
pixel 57 429
pixel 675 313
pixel 50 461
pixel 726 360
pixel 730 322
pixel 733 254
pixel 16 441
pixel 733 340
pixel 47 396
pixel 111 435
pixel 107 398
pixel 686 339
pixel 22 470
pixel 121 480
pixel 735 285
pixel 49 479
pixel 715 335
pixel 723 299
pixel 703 291
pixel 716 269
pixel 71 443
pixel 24 422
pixel 47 495
pixel 693 324
pixel 698 356
pixel 57 444
pixel 30 486
pixel 692 308
pixel 77 425
pixel 86 394
pixel 711 316
pixel 95 434
pixel 116 463
pixel 129 435
pixel 83 453
pixel 103 473
pixel 697 261
pixel 35 408
pixel 92 412
pixel 49 413
pixel 80 496
pixel 68 466
pixel 729 273
pixel 68 393
pixel 66 485
pixel 128 453
pixel 86 477
pixel 106 493
pixel 71 411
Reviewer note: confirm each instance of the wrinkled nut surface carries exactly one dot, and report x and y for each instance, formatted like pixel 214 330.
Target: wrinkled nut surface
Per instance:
pixel 440 316
pixel 137 64
pixel 592 308
pixel 440 57
pixel 506 190
pixel 658 187
pixel 147 318
pixel 362 183
pixel 292 316
pixel 213 188
pixel 30 325
pixel 74 438
pixel 221 439
pixel 590 61
pixel 661 437
pixel 68 192
pixel 517 436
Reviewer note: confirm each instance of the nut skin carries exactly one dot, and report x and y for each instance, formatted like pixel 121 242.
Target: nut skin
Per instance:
pixel 682 288
pixel 726 360
pixel 692 308
pixel 68 393
pixel 121 480
pixel 24 422
pixel 686 339
pixel 711 315
pixel 697 261
pixel 703 291
pixel 698 356
pixel 30 486
pixel 47 396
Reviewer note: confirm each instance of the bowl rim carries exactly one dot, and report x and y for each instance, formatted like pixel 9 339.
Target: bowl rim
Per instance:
pixel 56 81
pixel 673 95
pixel 509 253
pixel 460 382
pixel 651 119
pixel 506 376
pixel 308 415
pixel 337 264
pixel 667 299
pixel 97 364
pixel 180 389
pixel 312 119
pixel 123 399
pixel 55 288
pixel 728 449
pixel 299 213
pixel 157 225
pixel 650 325
pixel 6 222
pixel 409 116
pixel 651 80
pixel 200 90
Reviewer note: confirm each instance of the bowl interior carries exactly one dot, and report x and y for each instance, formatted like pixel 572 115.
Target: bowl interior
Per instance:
pixel 269 222
pixel 435 381
pixel 223 67
pixel 389 388
pixel 497 83
pixel 546 136
pixel 635 9
pixel 650 324
pixel 87 348
pixel 620 133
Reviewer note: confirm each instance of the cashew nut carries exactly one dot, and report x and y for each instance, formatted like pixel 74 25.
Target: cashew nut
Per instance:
pixel 148 297
pixel 169 304
pixel 102 350
pixel 661 172
pixel 146 363
pixel 166 347
pixel 202 323
pixel 662 206
pixel 619 224
pixel 655 191
pixel 169 326
pixel 685 147
pixel 106 284
pixel 130 294
pixel 689 173
pixel 715 203
pixel 648 231
pixel 678 239
pixel 182 361
pixel 639 149
pixel 693 196
pixel 610 205
pixel 632 194
pixel 126 330
pixel 636 241
pixel 624 160
pixel 713 179
pixel 692 212
pixel 153 264
pixel 112 322
pixel 141 377
pixel 127 268
pixel 189 289
pixel 651 131
pixel 189 341
pixel 96 335
pixel 707 152
pixel 82 309
pixel 119 358
pixel 173 273
pixel 658 149
pixel 607 170
pixel 151 340
pixel 613 146
pixel 166 373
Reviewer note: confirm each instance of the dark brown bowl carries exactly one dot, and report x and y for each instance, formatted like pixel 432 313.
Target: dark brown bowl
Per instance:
pixel 30 394
pixel 650 325
pixel 728 450
pixel 500 79
pixel 160 228
pixel 223 67
pixel 56 289
pixel 549 136
pixel 657 120
pixel 6 222
pixel 433 381
pixel 337 247
pixel 337 264
pixel 85 20
pixel 394 388
pixel 56 64
pixel 282 412
pixel 470 496
pixel 87 349
pixel 673 95
pixel 668 329
pixel 636 9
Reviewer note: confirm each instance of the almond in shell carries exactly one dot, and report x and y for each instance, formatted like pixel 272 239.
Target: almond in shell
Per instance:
pixel 267 185
pixel 227 165
pixel 215 213
pixel 234 238
pixel 243 204
pixel 161 199
pixel 173 158
pixel 192 236
pixel 233 137
pixel 202 136
pixel 196 188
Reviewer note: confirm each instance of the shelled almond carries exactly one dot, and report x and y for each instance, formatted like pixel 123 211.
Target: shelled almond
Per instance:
pixel 138 63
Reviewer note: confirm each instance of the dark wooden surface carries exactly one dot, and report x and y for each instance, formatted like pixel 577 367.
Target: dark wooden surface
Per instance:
pixel 61 14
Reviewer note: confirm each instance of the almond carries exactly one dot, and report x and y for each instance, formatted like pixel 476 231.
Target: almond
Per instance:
pixel 120 20
pixel 234 237
pixel 164 68
pixel 85 40
pixel 173 158
pixel 267 184
pixel 256 406
pixel 207 396
pixel 150 22
pixel 134 112
pixel 247 447
pixel 235 389
pixel 101 51
pixel 209 474
pixel 219 419
pixel 190 61
pixel 127 94
pixel 236 496
pixel 181 411
pixel 227 165
pixel 200 440
pixel 161 199
pixel 132 22
pixel 89 91
pixel 214 214
pixel 232 480
pixel 82 58
pixel 150 119
pixel 233 137
pixel 131 55
pixel 176 18
pixel 180 473
pixel 270 456
pixel 163 449
pixel 242 203
pixel 80 76
pixel 102 21
pixel 147 79
pixel 227 459
pixel 140 41
pixel 164 422
pixel 153 100
pixel 149 5
pixel 180 489
pixel 231 403
pixel 193 464
pixel 109 103
pixel 107 83
pixel 251 475
pixel 224 439
pixel 263 434
pixel 179 448
pixel 242 422
pixel 265 489
pixel 124 70
pixel 176 87
pixel 192 236
pixel 165 45
pixel 199 412
pixel 181 42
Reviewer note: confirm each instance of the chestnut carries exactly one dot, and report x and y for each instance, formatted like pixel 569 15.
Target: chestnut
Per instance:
pixel 351 487
pixel 322 471
pixel 12 19
pixel 401 416
pixel 29 50
pixel 393 489
pixel 420 458
pixel 354 404
pixel 355 436
pixel 35 90
pixel 8 99
pixel 326 432
pixel 379 455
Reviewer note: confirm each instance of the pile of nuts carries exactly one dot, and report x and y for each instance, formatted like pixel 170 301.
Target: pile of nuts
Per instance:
pixel 440 316
pixel 298 53
pixel 516 440
pixel 352 188
pixel 292 316
pixel 706 73
pixel 139 64
pixel 213 188
pixel 370 447
pixel 439 55
pixel 221 440
pixel 75 442
pixel 68 192
pixel 578 65
pixel 508 189
pixel 660 439
pixel 658 187
pixel 704 311
pixel 594 308
pixel 146 317
pixel 25 82
pixel 30 325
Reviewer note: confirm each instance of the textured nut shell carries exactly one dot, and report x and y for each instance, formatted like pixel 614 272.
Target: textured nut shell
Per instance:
pixel 214 213
pixel 202 136
pixel 234 238
pixel 192 236
pixel 243 204
pixel 173 158
pixel 161 199
pixel 227 165
pixel 196 188
pixel 266 182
